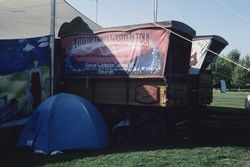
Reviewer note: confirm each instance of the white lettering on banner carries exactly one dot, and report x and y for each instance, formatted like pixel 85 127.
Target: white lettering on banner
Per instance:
pixel 137 37
pixel 90 65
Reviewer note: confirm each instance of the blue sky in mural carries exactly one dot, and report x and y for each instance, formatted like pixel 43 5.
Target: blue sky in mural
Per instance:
pixel 19 54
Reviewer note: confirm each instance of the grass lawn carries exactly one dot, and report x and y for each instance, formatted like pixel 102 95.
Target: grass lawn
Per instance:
pixel 229 99
pixel 181 153
pixel 229 149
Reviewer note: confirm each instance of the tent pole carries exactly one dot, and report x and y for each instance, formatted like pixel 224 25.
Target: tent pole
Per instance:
pixel 52 44
pixel 154 10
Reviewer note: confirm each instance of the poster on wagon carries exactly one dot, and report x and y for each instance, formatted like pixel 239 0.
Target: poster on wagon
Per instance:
pixel 24 75
pixel 133 53
pixel 198 54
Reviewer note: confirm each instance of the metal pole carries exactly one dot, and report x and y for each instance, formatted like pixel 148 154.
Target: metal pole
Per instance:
pixel 52 44
pixel 154 10
pixel 96 10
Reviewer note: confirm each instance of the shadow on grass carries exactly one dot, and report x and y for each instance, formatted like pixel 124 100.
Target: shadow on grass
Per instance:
pixel 201 132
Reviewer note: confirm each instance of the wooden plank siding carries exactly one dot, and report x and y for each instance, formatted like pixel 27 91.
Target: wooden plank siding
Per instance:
pixel 120 92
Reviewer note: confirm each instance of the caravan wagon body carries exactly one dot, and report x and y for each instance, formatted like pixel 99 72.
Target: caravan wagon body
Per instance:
pixel 139 74
pixel 139 65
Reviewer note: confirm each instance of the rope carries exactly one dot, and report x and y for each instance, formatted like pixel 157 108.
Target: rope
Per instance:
pixel 158 25
pixel 233 11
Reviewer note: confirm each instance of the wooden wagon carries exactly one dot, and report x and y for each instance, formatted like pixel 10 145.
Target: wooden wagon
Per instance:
pixel 137 74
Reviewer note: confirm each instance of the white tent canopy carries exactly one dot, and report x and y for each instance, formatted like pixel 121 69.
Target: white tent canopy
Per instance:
pixel 32 18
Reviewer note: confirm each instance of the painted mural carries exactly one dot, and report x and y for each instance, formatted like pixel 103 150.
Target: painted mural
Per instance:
pixel 24 76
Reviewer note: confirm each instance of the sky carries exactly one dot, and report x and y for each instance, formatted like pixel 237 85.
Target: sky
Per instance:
pixel 229 19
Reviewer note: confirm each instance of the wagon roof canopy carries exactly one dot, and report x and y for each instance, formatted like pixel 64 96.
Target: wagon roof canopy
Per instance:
pixel 215 38
pixel 172 24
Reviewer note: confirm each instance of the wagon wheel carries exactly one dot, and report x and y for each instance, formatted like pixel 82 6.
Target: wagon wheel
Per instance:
pixel 152 131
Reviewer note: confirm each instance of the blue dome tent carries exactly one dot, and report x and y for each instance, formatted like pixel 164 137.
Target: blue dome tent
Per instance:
pixel 65 121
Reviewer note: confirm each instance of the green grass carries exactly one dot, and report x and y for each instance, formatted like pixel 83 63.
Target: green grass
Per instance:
pixel 206 156
pixel 176 155
pixel 229 99
pixel 231 150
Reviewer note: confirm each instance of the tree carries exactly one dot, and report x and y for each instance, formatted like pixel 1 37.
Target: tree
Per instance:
pixel 240 75
pixel 224 70
pixel 234 55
